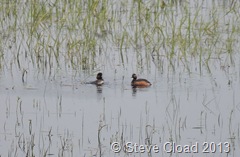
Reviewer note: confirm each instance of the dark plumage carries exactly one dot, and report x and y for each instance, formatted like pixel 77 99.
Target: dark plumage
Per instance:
pixel 139 82
pixel 99 80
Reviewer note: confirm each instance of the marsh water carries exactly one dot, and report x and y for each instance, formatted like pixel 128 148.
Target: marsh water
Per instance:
pixel 188 50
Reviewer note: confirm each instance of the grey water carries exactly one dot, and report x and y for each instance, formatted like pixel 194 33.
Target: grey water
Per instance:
pixel 52 111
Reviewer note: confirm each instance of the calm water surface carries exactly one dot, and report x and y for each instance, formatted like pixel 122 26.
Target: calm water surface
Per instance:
pixel 58 114
pixel 63 116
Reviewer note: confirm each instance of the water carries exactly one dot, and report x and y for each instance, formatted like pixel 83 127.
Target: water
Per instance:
pixel 51 111
pixel 182 108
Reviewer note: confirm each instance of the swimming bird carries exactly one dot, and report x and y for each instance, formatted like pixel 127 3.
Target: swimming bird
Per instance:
pixel 139 82
pixel 99 80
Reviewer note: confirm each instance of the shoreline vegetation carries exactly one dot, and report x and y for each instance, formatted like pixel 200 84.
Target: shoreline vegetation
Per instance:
pixel 81 35
pixel 51 48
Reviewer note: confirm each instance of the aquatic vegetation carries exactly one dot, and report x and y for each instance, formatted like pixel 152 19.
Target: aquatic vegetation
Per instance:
pixel 190 49
pixel 81 34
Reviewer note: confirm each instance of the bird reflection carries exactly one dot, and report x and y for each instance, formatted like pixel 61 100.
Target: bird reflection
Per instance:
pixel 99 93
pixel 138 89
pixel 134 91
pixel 99 89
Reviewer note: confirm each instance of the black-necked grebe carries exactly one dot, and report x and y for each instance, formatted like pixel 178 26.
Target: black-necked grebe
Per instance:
pixel 139 82
pixel 99 80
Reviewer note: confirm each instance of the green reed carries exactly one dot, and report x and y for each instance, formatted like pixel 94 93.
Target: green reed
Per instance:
pixel 74 33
